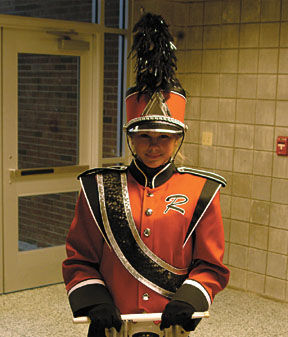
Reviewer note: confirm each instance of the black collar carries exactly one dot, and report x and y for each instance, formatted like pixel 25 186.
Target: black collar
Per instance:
pixel 151 178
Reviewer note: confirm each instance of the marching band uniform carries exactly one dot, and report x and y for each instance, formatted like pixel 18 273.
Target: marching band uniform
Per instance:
pixel 145 238
pixel 162 214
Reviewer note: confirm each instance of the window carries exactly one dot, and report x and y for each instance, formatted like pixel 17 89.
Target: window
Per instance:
pixel 48 111
pixel 115 19
pixel 75 10
pixel 115 13
pixel 113 95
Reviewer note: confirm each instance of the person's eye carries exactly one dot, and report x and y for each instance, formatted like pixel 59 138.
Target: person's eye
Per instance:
pixel 164 137
pixel 143 135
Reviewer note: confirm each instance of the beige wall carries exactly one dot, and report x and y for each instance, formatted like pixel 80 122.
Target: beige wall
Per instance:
pixel 233 63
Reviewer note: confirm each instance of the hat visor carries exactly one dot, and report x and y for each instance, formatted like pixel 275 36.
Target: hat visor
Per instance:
pixel 154 126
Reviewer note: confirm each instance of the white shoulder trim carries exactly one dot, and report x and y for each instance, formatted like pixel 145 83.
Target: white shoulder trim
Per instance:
pixel 204 174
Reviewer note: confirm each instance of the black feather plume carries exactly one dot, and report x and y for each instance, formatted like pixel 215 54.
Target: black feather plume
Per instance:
pixel 155 55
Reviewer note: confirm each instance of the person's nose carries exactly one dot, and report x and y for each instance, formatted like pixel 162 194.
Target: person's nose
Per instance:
pixel 153 141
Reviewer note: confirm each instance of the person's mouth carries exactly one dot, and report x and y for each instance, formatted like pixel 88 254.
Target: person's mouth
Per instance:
pixel 154 156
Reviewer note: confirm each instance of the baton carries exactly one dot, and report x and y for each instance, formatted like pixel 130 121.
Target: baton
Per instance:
pixel 141 317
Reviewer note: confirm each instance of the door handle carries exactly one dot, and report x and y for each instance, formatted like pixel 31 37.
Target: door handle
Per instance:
pixel 17 174
pixel 36 171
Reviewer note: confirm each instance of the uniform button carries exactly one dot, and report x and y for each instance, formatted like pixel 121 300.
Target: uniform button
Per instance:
pixel 150 194
pixel 148 211
pixel 147 232
pixel 145 297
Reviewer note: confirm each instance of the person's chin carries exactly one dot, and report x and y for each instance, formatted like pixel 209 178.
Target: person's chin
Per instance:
pixel 153 162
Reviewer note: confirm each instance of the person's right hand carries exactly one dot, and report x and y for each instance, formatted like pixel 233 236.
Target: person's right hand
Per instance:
pixel 103 316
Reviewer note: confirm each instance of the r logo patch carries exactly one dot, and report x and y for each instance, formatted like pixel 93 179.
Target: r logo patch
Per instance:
pixel 174 201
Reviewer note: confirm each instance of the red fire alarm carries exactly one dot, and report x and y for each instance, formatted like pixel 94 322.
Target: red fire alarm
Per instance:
pixel 282 146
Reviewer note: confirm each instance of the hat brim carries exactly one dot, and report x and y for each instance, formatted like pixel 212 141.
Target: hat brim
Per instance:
pixel 155 126
pixel 155 123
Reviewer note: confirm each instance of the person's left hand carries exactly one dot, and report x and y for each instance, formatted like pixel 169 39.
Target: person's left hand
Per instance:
pixel 180 313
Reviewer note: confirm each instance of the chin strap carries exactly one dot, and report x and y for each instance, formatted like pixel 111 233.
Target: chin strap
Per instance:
pixel 129 145
pixel 176 152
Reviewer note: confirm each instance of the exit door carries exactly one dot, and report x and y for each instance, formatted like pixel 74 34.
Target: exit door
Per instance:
pixel 47 85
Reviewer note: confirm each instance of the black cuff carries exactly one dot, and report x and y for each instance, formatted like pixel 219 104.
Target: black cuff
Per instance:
pixel 82 299
pixel 192 295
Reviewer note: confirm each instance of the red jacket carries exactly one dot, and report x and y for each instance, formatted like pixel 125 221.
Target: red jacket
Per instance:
pixel 162 229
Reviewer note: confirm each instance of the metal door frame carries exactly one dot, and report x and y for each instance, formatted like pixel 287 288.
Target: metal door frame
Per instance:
pixel 1 180
pixel 88 157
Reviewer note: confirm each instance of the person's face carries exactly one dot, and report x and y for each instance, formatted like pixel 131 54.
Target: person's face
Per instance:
pixel 154 148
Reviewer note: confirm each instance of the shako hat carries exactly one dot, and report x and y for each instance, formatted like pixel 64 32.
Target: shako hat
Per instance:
pixel 157 101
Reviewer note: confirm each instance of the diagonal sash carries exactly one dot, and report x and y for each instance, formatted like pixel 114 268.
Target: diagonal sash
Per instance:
pixel 109 203
pixel 108 200
pixel 122 233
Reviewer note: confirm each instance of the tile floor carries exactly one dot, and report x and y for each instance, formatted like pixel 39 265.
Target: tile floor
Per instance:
pixel 44 312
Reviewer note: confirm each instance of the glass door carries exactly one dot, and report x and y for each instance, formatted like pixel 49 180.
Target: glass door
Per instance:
pixel 47 83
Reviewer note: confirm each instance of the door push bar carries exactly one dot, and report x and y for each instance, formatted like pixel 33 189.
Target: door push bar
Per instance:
pixel 16 174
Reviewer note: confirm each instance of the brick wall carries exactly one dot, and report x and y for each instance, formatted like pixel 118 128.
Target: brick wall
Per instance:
pixel 112 13
pixel 110 95
pixel 47 110
pixel 44 219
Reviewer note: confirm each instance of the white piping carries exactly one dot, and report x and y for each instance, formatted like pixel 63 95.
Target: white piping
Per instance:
pixel 206 174
pixel 164 168
pixel 146 181
pixel 85 283
pixel 201 288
